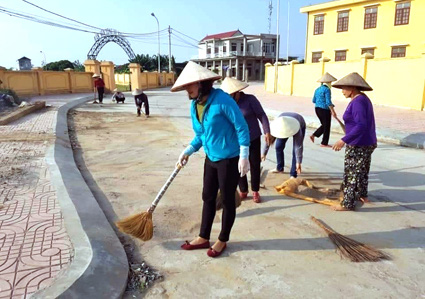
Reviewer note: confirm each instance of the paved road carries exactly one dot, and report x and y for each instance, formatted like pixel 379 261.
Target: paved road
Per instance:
pixel 275 250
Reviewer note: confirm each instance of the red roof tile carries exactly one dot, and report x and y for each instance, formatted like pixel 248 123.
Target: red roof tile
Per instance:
pixel 221 35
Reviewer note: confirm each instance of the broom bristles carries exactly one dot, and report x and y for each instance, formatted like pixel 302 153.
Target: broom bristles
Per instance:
pixel 352 249
pixel 139 226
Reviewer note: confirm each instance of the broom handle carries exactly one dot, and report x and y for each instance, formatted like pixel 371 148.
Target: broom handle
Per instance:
pixel 321 224
pixel 163 189
pixel 341 124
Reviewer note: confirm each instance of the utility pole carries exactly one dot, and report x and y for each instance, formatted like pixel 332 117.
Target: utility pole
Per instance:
pixel 287 39
pixel 159 49
pixel 277 48
pixel 270 16
pixel 169 49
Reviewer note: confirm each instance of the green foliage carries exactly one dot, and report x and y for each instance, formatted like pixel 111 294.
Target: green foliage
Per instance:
pixel 122 87
pixel 150 63
pixel 58 65
pixel 78 66
pixel 12 93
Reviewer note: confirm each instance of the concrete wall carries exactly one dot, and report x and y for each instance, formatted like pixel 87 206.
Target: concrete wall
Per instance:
pixel 399 83
pixel 381 38
pixel 39 82
pixel 122 79
pixel 146 80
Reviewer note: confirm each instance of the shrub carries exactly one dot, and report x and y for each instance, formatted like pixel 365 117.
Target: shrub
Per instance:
pixel 12 93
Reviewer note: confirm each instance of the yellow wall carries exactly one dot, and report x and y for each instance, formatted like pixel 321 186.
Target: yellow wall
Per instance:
pixel 381 37
pixel 147 80
pixel 399 83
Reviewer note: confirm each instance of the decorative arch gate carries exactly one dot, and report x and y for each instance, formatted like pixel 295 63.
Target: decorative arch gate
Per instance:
pixel 106 36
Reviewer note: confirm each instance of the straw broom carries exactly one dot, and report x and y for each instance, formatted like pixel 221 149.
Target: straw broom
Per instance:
pixel 351 249
pixel 340 123
pixel 141 225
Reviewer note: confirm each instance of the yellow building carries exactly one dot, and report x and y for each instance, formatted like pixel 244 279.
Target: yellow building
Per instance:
pixel 343 30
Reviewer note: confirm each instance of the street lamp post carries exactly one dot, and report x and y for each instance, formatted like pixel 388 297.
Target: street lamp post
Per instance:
pixel 159 53
pixel 44 55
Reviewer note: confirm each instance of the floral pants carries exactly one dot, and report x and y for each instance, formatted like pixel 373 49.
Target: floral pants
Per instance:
pixel 356 174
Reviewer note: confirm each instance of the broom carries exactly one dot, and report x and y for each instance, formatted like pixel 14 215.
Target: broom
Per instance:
pixel 340 123
pixel 141 225
pixel 351 249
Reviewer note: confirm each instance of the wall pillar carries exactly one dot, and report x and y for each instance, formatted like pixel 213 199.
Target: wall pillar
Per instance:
pixel 243 70
pixel 40 82
pixel 364 59
pixel 323 61
pixel 262 71
pixel 92 66
pixel 229 69
pixel 292 63
pixel 423 94
pixel 135 76
pixel 237 68
pixel 2 79
pixel 221 68
pixel 108 76
pixel 71 79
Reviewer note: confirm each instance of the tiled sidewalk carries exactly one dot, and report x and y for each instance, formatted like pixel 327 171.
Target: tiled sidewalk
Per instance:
pixel 34 245
pixel 391 122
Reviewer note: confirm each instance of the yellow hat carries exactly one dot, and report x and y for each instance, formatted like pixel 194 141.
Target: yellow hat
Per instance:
pixel 284 127
pixel 353 80
pixel 231 85
pixel 192 73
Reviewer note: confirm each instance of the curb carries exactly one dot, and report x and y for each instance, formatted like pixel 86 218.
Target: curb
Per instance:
pixel 22 112
pixel 100 266
pixel 416 141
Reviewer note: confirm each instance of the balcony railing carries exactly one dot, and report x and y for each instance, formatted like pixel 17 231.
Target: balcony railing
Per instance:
pixel 235 53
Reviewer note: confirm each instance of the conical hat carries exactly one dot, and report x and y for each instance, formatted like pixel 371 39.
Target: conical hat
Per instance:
pixel 284 127
pixel 115 90
pixel 137 91
pixel 231 85
pixel 95 76
pixel 192 73
pixel 353 79
pixel 326 78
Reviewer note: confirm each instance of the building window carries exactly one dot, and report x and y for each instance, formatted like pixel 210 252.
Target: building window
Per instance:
pixel 208 49
pixel 341 55
pixel 399 51
pixel 319 23
pixel 370 17
pixel 234 47
pixel 268 48
pixel 215 49
pixel 342 21
pixel 402 13
pixel 368 50
pixel 224 48
pixel 242 47
pixel 315 57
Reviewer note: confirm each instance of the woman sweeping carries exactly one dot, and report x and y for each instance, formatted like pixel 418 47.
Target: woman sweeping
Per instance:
pixel 221 129
pixel 253 112
pixel 324 109
pixel 360 138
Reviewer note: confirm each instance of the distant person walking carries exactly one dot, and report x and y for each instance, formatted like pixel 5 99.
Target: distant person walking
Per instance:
pixel 288 124
pixel 118 96
pixel 141 99
pixel 221 130
pixel 324 109
pixel 360 138
pixel 252 112
pixel 99 86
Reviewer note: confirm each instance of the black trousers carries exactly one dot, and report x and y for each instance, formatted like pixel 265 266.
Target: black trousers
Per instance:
pixel 100 92
pixel 255 166
pixel 139 103
pixel 324 116
pixel 223 175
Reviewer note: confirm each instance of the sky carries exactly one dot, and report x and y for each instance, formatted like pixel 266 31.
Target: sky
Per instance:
pixel 194 18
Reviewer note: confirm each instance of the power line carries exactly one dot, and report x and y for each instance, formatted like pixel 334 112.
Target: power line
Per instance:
pixel 196 40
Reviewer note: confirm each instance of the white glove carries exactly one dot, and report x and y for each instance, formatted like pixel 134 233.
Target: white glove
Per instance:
pixel 183 158
pixel 243 166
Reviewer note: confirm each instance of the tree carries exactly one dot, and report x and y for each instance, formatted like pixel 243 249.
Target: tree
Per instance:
pixel 58 65
pixel 78 66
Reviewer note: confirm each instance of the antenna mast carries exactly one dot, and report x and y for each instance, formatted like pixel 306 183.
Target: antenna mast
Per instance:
pixel 270 16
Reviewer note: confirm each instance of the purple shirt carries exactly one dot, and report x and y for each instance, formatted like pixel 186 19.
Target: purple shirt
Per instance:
pixel 359 122
pixel 253 111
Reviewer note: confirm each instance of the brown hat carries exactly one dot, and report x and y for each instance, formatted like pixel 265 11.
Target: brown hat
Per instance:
pixel 192 73
pixel 354 80
pixel 326 78
pixel 231 85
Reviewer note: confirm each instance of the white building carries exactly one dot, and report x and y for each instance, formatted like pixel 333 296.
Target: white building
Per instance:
pixel 236 54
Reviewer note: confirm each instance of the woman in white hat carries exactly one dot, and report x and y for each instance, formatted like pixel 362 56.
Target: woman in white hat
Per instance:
pixel 253 112
pixel 324 109
pixel 221 129
pixel 360 138
pixel 118 96
pixel 99 86
pixel 287 124
pixel 140 98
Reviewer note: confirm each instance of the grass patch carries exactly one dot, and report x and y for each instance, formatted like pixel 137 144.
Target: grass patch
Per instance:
pixel 122 87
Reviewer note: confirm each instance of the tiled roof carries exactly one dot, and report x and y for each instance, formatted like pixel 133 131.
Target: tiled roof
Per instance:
pixel 221 35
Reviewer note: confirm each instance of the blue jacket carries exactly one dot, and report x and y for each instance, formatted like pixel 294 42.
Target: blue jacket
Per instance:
pixel 322 97
pixel 223 129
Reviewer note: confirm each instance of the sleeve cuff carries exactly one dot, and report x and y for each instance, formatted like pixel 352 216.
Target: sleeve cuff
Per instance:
pixel 189 150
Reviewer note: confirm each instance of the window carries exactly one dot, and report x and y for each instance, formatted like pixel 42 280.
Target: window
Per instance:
pixel 319 22
pixel 242 47
pixel 342 21
pixel 370 17
pixel 268 48
pixel 234 47
pixel 208 49
pixel 341 55
pixel 368 50
pixel 224 48
pixel 316 56
pixel 216 49
pixel 402 13
pixel 398 51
